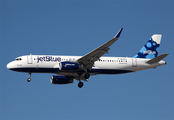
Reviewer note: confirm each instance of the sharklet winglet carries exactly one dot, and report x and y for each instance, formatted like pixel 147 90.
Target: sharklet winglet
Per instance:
pixel 118 34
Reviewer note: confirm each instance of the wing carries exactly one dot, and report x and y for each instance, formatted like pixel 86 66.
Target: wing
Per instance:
pixel 89 59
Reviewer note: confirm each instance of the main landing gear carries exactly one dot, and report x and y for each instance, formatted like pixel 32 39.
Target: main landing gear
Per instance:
pixel 80 85
pixel 29 79
pixel 86 76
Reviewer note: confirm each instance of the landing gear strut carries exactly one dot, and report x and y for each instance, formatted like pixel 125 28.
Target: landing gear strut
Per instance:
pixel 29 79
pixel 80 85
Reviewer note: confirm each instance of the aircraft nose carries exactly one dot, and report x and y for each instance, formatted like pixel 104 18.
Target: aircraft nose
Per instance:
pixel 9 65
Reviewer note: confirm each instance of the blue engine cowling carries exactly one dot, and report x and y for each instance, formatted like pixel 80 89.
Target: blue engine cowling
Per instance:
pixel 70 66
pixel 61 79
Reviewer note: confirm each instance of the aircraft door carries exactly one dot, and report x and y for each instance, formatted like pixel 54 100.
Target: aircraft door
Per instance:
pixel 134 62
pixel 29 59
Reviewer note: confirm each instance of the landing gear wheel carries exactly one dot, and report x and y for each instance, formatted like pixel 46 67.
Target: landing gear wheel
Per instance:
pixel 80 85
pixel 29 79
pixel 87 75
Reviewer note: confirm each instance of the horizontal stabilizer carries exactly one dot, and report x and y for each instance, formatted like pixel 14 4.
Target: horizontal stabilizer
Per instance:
pixel 157 59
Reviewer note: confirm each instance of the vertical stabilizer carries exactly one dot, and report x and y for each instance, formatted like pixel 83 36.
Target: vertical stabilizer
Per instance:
pixel 150 49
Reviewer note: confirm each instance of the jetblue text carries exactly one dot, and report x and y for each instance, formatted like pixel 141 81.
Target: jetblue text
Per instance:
pixel 48 59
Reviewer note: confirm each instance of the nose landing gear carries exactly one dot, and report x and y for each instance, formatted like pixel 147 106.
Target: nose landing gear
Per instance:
pixel 29 79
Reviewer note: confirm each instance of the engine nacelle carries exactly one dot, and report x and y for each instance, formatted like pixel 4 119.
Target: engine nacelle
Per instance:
pixel 61 79
pixel 70 66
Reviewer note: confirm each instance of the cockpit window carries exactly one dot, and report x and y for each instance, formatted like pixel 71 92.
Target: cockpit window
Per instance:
pixel 17 59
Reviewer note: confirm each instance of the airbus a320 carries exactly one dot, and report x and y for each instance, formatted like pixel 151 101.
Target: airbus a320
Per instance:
pixel 68 68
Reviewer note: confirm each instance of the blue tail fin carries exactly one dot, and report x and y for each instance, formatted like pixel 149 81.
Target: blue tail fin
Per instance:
pixel 150 49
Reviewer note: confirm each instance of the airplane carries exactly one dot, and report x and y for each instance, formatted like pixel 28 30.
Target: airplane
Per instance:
pixel 68 68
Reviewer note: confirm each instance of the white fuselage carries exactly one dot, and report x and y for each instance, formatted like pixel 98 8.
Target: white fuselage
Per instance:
pixel 80 68
pixel 105 65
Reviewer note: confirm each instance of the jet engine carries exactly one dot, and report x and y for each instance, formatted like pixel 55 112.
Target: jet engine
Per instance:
pixel 61 79
pixel 70 66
